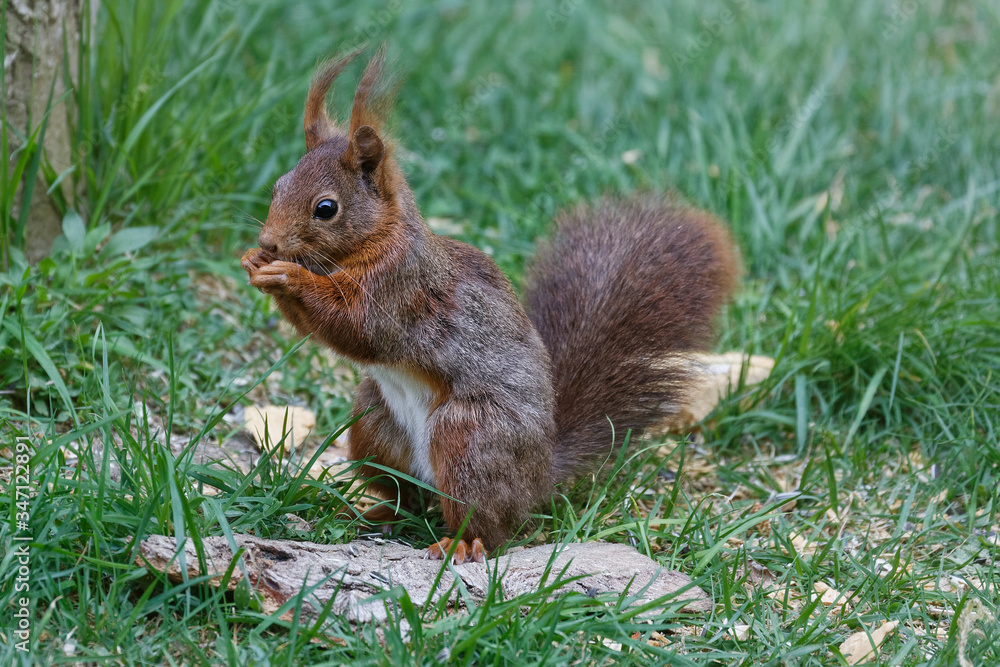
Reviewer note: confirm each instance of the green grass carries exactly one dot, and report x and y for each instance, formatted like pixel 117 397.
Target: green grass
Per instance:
pixel 852 146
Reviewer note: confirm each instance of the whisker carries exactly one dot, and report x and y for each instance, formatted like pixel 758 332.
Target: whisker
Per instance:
pixel 310 272
pixel 368 294
pixel 248 216
pixel 341 289
pixel 249 224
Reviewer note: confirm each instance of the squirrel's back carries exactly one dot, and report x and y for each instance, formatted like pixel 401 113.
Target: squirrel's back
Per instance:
pixel 622 290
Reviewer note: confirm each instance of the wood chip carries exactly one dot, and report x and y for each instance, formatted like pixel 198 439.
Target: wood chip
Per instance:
pixel 717 376
pixel 831 597
pixel 860 647
pixel 285 424
pixel 802 546
pixel 758 577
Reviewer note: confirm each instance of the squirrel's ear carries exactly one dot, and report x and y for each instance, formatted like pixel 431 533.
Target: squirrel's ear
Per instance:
pixel 319 127
pixel 366 149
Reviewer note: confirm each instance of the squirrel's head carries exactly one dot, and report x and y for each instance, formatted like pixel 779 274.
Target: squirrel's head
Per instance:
pixel 344 193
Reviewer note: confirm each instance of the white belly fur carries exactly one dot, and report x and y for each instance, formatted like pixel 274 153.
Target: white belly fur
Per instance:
pixel 409 400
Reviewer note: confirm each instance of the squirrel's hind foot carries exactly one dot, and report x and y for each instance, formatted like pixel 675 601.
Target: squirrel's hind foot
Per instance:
pixel 464 553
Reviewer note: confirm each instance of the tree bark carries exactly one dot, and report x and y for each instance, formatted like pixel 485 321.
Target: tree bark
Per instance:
pixel 33 59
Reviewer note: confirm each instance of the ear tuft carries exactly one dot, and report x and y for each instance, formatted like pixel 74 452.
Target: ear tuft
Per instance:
pixel 367 149
pixel 318 125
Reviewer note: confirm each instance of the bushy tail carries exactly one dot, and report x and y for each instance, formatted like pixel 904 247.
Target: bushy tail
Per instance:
pixel 618 295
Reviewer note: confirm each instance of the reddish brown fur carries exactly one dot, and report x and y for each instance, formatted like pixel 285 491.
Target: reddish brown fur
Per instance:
pixel 370 436
pixel 622 286
pixel 373 99
pixel 318 125
pixel 507 416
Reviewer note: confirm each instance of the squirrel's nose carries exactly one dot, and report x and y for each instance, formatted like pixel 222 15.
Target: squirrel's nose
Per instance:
pixel 267 241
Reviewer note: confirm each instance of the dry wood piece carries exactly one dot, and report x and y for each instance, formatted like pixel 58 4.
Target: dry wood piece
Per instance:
pixel 715 377
pixel 862 647
pixel 352 573
pixel 285 424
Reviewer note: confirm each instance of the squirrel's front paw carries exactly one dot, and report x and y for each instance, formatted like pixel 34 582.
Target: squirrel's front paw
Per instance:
pixel 277 277
pixel 254 258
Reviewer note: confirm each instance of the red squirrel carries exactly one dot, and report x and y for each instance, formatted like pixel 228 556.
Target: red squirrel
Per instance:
pixel 490 402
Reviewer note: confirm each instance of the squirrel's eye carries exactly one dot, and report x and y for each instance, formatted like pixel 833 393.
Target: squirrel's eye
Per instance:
pixel 325 210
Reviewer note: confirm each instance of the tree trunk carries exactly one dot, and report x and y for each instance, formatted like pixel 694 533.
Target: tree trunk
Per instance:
pixel 33 58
